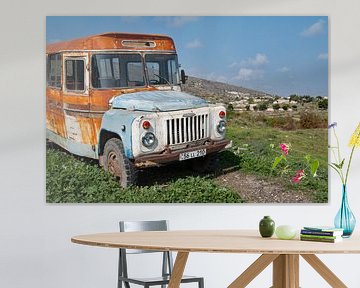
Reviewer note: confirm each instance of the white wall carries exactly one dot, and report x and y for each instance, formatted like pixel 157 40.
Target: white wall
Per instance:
pixel 35 248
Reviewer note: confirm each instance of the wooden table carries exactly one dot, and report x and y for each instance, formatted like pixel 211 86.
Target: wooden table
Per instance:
pixel 284 254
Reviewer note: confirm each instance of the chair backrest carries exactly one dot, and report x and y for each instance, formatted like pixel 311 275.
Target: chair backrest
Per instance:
pixel 135 226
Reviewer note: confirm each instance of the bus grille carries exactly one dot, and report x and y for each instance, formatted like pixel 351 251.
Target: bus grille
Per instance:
pixel 187 129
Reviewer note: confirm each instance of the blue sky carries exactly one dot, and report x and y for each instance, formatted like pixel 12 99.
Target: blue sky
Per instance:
pixel 281 55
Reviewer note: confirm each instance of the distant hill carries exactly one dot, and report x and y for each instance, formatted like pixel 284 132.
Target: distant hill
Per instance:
pixel 216 92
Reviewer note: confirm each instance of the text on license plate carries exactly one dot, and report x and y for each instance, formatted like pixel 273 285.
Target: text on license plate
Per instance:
pixel 192 154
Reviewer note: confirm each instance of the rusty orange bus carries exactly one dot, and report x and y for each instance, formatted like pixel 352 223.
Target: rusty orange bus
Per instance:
pixel 117 97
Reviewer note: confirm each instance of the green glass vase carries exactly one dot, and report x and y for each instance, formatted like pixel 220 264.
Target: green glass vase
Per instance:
pixel 266 227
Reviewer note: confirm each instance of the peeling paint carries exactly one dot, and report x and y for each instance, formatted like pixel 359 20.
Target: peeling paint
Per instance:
pixel 158 101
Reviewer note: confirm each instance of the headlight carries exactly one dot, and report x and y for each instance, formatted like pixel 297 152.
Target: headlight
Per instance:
pixel 148 139
pixel 221 127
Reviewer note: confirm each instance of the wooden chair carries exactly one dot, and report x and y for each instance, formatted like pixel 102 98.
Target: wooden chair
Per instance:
pixel 167 265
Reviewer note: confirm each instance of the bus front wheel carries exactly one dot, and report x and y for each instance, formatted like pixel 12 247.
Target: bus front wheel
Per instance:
pixel 117 164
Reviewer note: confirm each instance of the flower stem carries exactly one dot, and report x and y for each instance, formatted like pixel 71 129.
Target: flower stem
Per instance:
pixel 339 155
pixel 338 146
pixel 348 167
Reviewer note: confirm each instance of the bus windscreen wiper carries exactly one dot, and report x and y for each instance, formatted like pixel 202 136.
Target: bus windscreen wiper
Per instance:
pixel 167 81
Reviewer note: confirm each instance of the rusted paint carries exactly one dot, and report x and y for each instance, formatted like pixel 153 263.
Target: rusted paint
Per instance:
pixel 54 113
pixel 112 40
pixel 78 116
pixel 168 156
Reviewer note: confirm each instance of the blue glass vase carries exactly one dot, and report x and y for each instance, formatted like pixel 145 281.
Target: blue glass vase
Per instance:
pixel 345 219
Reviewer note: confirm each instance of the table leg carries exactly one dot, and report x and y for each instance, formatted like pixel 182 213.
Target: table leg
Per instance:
pixel 324 271
pixel 286 271
pixel 178 269
pixel 253 270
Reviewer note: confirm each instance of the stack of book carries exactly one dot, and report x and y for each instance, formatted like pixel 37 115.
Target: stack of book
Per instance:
pixel 321 234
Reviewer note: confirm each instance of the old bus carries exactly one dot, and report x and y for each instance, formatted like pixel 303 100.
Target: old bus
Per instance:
pixel 117 97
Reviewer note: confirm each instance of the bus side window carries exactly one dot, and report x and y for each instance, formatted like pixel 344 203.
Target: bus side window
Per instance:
pixel 54 70
pixel 74 73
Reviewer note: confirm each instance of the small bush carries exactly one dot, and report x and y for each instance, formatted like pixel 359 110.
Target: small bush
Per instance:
pixel 230 107
pixel 323 104
pixel 276 106
pixel 312 119
pixel 263 106
pixel 290 123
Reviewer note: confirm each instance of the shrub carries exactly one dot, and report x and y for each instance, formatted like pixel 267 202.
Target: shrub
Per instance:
pixel 285 107
pixel 276 106
pixel 323 104
pixel 263 106
pixel 290 123
pixel 255 108
pixel 307 99
pixel 312 119
pixel 294 97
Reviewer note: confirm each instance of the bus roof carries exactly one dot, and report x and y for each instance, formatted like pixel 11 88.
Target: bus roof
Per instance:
pixel 115 41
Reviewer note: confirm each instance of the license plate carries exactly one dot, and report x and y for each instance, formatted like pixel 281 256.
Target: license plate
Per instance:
pixel 192 154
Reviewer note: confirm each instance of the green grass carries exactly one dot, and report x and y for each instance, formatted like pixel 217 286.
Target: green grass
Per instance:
pixel 74 180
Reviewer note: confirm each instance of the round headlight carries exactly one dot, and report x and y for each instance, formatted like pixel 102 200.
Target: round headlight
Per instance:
pixel 221 127
pixel 148 139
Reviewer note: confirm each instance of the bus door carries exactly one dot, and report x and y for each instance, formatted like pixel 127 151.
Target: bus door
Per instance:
pixel 76 101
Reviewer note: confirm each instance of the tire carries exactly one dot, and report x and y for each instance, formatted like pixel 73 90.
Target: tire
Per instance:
pixel 209 164
pixel 117 164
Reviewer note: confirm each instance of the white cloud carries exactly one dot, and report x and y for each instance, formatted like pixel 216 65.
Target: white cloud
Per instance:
pixel 246 74
pixel 315 29
pixel 323 56
pixel 233 64
pixel 196 43
pixel 284 69
pixel 215 77
pixel 258 60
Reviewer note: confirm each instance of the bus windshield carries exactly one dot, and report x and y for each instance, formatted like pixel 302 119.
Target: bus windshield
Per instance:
pixel 162 69
pixel 120 70
pixel 117 70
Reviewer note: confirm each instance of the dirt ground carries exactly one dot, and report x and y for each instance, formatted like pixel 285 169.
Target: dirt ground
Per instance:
pixel 254 189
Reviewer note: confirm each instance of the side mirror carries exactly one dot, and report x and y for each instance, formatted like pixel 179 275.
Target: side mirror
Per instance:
pixel 183 76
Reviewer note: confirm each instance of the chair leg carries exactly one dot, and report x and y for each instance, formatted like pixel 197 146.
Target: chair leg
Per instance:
pixel 201 283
